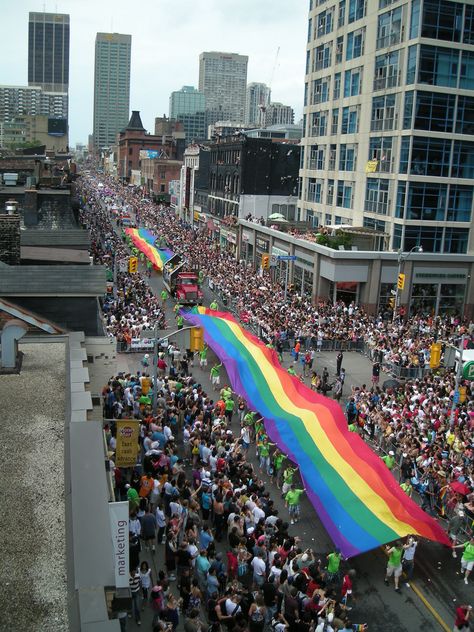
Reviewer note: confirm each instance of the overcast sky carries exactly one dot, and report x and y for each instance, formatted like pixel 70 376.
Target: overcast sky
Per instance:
pixel 167 37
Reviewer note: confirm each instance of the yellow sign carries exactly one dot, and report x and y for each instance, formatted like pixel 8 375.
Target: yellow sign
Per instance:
pixel 196 216
pixel 127 442
pixel 435 355
pixel 371 166
pixel 401 281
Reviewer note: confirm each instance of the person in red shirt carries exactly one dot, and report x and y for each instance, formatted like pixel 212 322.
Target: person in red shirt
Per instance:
pixel 346 589
pixel 461 621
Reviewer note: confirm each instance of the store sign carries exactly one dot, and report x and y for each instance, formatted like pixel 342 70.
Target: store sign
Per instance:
pixel 136 344
pixel 118 515
pixel 231 238
pixel 279 252
pixel 468 371
pixel 127 442
pixel 262 244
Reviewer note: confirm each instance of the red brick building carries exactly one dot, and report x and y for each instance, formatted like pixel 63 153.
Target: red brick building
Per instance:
pixel 134 138
pixel 157 173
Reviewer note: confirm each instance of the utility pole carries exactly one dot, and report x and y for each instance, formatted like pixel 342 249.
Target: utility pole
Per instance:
pixel 456 383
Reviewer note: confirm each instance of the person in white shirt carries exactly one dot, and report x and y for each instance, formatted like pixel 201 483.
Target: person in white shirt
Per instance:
pixel 259 569
pixel 134 526
pixel 160 522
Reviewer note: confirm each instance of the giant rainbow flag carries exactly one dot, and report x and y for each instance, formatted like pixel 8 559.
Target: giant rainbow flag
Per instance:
pixel 144 240
pixel 356 497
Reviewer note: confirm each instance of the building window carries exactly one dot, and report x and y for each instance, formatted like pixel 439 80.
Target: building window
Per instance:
pixel 330 193
pixel 380 149
pixel 310 28
pixel 337 86
pixel 321 90
pixel 451 299
pixel 468 36
pixel 324 23
pixel 341 13
pixel 319 121
pixel 315 188
pixel 376 224
pixel 355 44
pixel 339 49
pixel 434 111
pixel 429 238
pixel 387 72
pixel 426 201
pixel 347 157
pixel 463 159
pixel 389 28
pixel 429 157
pixel 357 10
pixel 353 82
pixel 335 121
pixel 465 115
pixel 322 56
pixel 459 203
pixel 332 157
pixel 438 66
pixel 466 78
pixel 376 196
pixel 383 113
pixel 350 119
pixel 316 157
pixel 345 193
pixel 456 240
pixel 442 20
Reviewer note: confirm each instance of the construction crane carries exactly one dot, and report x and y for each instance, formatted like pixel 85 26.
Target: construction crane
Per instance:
pixel 263 106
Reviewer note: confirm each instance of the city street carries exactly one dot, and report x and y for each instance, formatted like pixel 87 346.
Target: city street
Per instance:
pixel 437 588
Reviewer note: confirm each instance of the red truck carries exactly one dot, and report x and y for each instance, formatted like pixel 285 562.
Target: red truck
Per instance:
pixel 181 283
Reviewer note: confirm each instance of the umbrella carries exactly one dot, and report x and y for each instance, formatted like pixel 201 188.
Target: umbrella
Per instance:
pixel 276 216
pixel 459 488
pixel 390 384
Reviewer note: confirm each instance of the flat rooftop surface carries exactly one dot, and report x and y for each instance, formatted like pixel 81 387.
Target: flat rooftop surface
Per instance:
pixel 32 521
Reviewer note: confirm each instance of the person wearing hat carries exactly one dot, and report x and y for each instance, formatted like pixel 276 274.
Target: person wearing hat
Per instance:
pixel 389 459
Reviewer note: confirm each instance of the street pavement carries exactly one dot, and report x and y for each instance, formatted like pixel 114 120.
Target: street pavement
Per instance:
pixel 437 588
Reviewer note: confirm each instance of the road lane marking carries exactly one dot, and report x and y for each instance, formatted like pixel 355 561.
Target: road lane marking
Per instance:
pixel 432 610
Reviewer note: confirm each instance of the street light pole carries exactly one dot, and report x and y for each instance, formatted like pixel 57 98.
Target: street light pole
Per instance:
pixel 456 383
pixel 402 257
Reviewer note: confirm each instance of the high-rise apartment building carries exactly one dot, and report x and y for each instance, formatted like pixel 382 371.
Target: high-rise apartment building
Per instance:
pixel 111 87
pixel 188 100
pixel 279 114
pixel 31 100
pixel 389 118
pixel 223 81
pixel 257 100
pixel 48 51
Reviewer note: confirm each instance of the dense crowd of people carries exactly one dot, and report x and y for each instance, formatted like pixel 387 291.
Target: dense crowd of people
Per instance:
pixel 426 441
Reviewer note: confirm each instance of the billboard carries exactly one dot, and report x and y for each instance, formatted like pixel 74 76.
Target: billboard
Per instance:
pixel 148 153
pixel 57 126
pixel 127 443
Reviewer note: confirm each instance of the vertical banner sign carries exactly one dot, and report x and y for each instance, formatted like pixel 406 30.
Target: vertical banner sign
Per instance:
pixel 118 514
pixel 127 443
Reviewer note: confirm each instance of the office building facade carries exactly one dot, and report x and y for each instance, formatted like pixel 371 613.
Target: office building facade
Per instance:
pixel 256 103
pixel 48 51
pixel 223 81
pixel 111 87
pixel 388 121
pixel 279 114
pixel 188 100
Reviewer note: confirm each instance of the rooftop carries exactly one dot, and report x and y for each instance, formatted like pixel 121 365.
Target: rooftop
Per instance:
pixel 32 523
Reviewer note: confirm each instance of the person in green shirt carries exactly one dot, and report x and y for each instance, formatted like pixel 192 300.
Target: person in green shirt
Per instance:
pixel 278 459
pixel 291 370
pixel 229 409
pixel 226 392
pixel 288 479
pixel 353 427
pixel 179 321
pixel 389 460
pixel 133 498
pixel 200 277
pixel 263 447
pixel 292 501
pixel 203 356
pixel 334 563
pixel 164 296
pixel 467 559
pixel 407 487
pixel 213 305
pixel 215 376
pixel 394 566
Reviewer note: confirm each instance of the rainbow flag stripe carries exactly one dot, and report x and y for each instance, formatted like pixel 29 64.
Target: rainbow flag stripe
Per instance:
pixel 355 495
pixel 144 240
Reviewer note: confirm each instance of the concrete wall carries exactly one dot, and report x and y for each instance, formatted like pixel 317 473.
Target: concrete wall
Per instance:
pixel 75 313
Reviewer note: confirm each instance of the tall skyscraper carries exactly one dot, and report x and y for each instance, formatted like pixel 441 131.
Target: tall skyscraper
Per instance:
pixel 388 120
pixel 223 81
pixel 48 51
pixel 188 100
pixel 257 100
pixel 279 114
pixel 111 87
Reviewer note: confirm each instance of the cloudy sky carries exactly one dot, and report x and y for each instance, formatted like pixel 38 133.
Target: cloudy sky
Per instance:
pixel 167 37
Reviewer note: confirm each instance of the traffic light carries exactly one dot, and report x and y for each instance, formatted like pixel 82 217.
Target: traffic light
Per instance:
pixel 196 339
pixel 265 262
pixel 133 265
pixel 435 355
pixel 391 302
pixel 401 281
